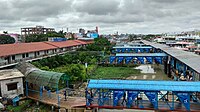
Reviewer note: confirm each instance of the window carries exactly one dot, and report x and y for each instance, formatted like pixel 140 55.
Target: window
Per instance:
pixel 27 55
pixel 38 53
pixel 13 57
pixel 12 86
pixel 23 55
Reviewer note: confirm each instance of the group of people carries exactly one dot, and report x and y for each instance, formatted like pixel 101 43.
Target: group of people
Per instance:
pixel 179 76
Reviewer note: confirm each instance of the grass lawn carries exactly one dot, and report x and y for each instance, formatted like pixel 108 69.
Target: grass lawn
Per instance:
pixel 114 72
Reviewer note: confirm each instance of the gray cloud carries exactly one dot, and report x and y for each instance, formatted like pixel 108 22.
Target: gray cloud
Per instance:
pixel 97 7
pixel 125 16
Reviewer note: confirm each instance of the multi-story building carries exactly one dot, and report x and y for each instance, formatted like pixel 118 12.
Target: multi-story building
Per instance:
pixel 36 30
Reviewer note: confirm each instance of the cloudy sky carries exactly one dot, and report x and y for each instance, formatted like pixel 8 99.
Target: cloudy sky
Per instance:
pixel 124 16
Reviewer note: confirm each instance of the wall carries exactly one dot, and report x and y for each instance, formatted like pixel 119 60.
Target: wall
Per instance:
pixel 18 56
pixel 4 89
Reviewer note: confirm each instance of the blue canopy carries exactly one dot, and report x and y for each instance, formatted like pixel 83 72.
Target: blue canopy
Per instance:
pixel 141 54
pixel 144 85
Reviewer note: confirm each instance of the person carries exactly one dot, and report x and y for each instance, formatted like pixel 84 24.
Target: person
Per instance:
pixel 65 94
pixel 124 98
pixel 139 51
pixel 176 75
pixel 190 77
pixel 182 78
pixel 90 99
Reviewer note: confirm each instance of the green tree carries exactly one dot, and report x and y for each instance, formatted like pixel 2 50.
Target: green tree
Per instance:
pixel 56 34
pixel 6 39
pixel 36 38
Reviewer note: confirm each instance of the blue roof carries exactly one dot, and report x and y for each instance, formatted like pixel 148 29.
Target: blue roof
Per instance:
pixel 145 85
pixel 141 54
pixel 145 47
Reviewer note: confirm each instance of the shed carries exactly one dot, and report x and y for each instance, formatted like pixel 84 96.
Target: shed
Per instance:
pixel 11 82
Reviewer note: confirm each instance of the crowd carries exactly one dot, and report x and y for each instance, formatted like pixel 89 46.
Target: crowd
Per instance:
pixel 180 76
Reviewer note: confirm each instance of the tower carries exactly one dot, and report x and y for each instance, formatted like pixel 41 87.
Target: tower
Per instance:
pixel 97 30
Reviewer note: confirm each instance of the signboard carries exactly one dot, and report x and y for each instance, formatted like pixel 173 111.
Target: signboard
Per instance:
pixel 120 59
pixel 112 58
pixel 141 59
pixel 158 60
pixel 149 59
pixel 117 95
pixel 153 98
pixel 128 59
pixel 131 97
pixel 184 98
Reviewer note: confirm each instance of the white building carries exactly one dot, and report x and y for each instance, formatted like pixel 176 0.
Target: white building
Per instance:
pixel 11 83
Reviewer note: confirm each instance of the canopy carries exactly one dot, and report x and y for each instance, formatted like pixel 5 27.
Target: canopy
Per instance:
pixel 46 78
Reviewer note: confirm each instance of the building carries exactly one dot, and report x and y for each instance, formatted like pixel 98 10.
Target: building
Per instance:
pixel 35 30
pixel 56 39
pixel 90 33
pixel 11 83
pixel 82 31
pixel 17 37
pixel 11 54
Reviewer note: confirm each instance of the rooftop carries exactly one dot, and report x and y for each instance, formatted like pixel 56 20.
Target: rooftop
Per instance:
pixel 141 54
pixel 68 43
pixel 190 59
pixel 145 85
pixel 20 48
pixel 10 74
pixel 147 47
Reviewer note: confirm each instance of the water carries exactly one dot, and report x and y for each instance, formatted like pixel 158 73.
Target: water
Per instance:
pixel 146 69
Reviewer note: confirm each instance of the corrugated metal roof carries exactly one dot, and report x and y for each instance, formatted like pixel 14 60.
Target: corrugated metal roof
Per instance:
pixel 145 85
pixel 131 47
pixel 141 54
pixel 190 59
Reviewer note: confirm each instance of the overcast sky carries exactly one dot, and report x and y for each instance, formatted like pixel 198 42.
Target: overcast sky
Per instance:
pixel 124 16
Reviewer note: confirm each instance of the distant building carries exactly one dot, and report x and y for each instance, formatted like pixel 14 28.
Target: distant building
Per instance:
pixel 17 37
pixel 69 35
pixel 56 39
pixel 90 33
pixel 93 33
pixel 82 31
pixel 35 30
pixel 77 35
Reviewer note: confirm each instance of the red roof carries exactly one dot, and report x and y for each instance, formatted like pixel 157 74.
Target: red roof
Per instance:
pixel 82 42
pixel 87 41
pixel 63 44
pixel 19 48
